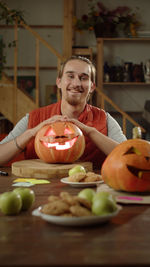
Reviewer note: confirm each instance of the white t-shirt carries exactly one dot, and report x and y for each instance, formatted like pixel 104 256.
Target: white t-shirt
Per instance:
pixel 114 129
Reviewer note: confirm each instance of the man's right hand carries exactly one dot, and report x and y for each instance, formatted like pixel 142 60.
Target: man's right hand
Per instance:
pixel 48 121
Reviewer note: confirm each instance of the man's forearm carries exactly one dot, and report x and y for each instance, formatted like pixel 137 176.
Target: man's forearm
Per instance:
pixel 102 141
pixel 12 148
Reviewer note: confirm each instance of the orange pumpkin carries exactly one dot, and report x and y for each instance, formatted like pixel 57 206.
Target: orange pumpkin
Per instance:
pixel 59 142
pixel 127 167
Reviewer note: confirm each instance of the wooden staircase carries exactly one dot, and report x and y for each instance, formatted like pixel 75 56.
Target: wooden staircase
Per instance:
pixel 9 106
pixel 15 103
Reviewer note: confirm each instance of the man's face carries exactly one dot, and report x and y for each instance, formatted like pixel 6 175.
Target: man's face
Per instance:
pixel 76 83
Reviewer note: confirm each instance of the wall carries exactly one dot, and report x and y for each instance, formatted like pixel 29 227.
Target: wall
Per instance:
pixel 36 12
pixel 129 98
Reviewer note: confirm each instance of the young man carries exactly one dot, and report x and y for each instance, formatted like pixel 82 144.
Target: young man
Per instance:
pixel 76 81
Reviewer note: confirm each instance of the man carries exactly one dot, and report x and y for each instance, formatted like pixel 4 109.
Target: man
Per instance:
pixel 76 81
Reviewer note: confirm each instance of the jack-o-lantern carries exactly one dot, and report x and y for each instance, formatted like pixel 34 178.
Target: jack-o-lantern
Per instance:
pixel 127 167
pixel 59 142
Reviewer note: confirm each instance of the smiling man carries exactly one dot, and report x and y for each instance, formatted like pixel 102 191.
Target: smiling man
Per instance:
pixel 76 80
pixel 75 85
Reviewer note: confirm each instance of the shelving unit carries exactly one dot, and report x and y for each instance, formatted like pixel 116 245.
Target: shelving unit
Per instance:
pixel 83 52
pixel 100 63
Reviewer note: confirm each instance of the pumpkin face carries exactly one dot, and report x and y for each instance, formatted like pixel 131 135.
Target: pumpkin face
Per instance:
pixel 127 167
pixel 59 142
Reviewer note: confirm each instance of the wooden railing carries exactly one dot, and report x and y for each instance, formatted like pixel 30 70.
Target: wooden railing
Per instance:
pixel 38 39
pixel 125 116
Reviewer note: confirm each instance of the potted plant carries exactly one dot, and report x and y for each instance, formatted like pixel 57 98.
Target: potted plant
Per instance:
pixel 106 22
pixel 9 17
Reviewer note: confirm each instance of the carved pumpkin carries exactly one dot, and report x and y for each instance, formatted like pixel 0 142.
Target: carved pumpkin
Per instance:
pixel 127 167
pixel 59 142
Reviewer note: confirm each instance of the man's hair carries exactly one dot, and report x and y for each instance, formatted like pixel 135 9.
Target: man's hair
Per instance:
pixel 92 67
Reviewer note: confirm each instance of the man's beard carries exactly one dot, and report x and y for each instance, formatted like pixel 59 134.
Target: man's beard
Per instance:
pixel 73 101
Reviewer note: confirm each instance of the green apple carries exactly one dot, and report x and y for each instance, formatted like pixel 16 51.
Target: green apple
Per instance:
pixel 103 194
pixel 27 195
pixel 103 203
pixel 10 203
pixel 87 193
pixel 76 169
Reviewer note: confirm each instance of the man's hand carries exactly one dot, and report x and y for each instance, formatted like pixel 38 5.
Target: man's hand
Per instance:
pixel 84 128
pixel 48 121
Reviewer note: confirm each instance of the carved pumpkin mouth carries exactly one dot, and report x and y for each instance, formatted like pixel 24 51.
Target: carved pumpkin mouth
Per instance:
pixel 62 145
pixel 139 173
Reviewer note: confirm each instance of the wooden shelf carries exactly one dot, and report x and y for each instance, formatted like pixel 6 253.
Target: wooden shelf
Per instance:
pixel 31 68
pixel 127 83
pixel 137 39
pixel 33 26
pixel 100 61
pixel 83 52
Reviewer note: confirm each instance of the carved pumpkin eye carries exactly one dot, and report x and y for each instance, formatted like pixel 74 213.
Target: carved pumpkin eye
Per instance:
pixel 67 131
pixel 132 150
pixel 50 132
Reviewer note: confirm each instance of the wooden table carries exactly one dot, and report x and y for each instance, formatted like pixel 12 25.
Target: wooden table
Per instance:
pixel 26 240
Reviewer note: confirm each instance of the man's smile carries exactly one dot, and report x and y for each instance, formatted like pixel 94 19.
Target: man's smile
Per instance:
pixel 75 91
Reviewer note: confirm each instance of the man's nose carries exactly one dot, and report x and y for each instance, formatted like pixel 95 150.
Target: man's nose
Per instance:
pixel 76 81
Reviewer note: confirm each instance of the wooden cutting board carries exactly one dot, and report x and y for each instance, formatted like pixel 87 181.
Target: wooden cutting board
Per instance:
pixel 36 168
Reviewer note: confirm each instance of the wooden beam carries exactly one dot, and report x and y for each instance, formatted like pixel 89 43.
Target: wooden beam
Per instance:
pixel 100 63
pixel 100 99
pixel 37 57
pixel 124 114
pixel 15 73
pixel 68 28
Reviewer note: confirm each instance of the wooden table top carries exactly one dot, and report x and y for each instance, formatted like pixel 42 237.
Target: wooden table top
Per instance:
pixel 26 240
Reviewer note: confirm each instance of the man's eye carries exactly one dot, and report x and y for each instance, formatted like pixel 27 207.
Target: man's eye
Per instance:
pixel 70 76
pixel 84 78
